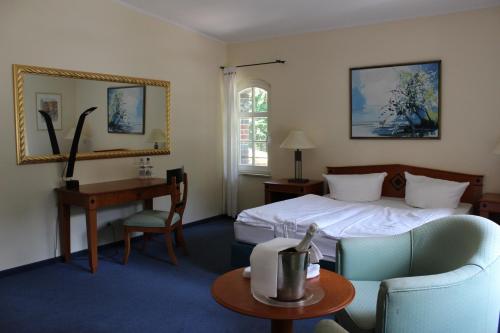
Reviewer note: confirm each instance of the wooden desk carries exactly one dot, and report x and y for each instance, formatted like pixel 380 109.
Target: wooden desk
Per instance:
pixel 94 196
pixel 232 291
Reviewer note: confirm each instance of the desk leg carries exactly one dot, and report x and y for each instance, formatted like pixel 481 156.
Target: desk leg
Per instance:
pixel 148 204
pixel 281 326
pixel 92 238
pixel 64 231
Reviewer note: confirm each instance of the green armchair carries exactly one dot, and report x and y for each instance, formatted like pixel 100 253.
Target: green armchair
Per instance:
pixel 443 276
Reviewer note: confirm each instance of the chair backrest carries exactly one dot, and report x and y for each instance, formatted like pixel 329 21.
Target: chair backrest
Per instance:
pixel 454 241
pixel 178 204
pixel 177 173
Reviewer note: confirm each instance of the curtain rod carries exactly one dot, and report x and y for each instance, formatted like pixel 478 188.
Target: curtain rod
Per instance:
pixel 277 61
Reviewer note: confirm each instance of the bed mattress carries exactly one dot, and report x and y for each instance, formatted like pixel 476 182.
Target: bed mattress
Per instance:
pixel 336 219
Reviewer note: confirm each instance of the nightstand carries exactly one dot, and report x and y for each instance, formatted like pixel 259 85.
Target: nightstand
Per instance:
pixel 281 189
pixel 489 203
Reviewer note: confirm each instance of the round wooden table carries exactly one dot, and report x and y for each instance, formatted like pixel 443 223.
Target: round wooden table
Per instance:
pixel 232 291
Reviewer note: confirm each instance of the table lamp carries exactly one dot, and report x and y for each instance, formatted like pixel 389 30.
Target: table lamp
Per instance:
pixel 157 136
pixel 73 184
pixel 297 140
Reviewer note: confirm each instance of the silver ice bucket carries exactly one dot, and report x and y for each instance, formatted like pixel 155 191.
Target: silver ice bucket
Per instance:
pixel 292 273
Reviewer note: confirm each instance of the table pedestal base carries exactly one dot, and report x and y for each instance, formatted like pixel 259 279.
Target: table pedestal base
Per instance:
pixel 281 326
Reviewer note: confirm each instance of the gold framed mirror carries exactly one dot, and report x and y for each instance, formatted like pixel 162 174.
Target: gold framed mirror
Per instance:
pixel 127 122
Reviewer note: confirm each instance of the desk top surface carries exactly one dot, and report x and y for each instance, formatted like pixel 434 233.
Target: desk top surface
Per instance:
pixel 116 186
pixel 232 291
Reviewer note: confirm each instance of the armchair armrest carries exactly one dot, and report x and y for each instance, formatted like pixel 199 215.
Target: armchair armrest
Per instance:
pixel 457 301
pixel 374 258
pixel 425 282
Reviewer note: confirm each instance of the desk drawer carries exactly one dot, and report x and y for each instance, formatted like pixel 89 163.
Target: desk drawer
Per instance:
pixel 117 198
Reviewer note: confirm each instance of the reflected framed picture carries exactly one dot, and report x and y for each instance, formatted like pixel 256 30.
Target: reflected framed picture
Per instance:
pixel 400 101
pixel 52 104
pixel 126 109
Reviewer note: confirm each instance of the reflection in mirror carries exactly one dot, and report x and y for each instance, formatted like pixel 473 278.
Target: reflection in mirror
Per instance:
pixel 131 117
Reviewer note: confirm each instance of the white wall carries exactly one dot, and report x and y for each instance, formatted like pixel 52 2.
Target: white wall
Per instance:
pixel 104 36
pixel 311 92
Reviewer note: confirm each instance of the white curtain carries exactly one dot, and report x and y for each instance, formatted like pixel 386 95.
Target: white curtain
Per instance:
pixel 230 137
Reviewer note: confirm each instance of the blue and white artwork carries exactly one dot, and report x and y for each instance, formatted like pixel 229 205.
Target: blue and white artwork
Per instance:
pixel 126 110
pixel 397 101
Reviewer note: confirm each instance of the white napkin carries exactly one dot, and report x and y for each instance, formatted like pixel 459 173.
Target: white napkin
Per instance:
pixel 315 254
pixel 313 270
pixel 264 265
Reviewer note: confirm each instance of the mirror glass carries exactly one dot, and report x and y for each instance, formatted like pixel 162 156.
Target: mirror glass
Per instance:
pixel 131 118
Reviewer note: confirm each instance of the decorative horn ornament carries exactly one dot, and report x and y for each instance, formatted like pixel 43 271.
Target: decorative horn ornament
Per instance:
pixel 73 184
pixel 52 133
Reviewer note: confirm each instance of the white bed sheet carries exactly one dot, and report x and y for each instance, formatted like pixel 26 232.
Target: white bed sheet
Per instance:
pixel 336 219
pixel 254 235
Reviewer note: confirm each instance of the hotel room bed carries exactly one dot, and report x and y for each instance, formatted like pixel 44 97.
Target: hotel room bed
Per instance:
pixel 340 219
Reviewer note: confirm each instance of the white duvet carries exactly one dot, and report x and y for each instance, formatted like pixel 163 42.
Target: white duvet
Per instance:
pixel 340 219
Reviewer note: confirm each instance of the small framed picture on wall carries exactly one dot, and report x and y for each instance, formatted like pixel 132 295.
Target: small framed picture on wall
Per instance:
pixel 400 101
pixel 126 109
pixel 52 104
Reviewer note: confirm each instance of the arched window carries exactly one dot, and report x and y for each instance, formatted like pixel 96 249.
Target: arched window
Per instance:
pixel 253 104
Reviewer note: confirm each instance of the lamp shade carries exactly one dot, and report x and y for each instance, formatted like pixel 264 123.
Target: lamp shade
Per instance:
pixel 496 151
pixel 297 140
pixel 156 135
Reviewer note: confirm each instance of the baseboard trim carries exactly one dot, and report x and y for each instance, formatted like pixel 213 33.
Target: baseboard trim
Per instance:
pixel 45 262
pixel 207 220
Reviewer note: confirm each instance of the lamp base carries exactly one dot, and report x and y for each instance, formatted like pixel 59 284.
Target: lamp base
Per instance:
pixel 298 181
pixel 72 184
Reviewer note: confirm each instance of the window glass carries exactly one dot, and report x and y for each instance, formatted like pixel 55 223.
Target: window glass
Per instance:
pixel 253 129
pixel 245 154
pixel 260 128
pixel 246 100
pixel 261 153
pixel 260 100
pixel 246 129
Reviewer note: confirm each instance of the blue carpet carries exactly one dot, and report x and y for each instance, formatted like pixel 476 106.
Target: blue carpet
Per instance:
pixel 147 295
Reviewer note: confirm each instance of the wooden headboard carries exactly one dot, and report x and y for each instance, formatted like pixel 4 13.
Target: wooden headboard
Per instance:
pixel 394 183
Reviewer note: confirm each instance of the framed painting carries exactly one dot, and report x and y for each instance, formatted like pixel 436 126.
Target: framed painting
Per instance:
pixel 126 107
pixel 400 101
pixel 52 104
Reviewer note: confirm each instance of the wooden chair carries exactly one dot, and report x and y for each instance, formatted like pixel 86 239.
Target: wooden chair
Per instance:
pixel 162 222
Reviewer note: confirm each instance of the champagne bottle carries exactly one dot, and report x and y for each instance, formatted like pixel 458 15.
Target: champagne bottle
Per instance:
pixel 306 241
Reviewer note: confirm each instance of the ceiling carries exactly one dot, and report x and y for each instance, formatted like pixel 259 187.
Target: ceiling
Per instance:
pixel 246 20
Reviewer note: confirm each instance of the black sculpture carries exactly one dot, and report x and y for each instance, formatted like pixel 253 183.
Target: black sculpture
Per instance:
pixel 73 184
pixel 52 133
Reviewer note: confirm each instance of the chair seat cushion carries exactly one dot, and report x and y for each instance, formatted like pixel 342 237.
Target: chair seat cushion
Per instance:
pixel 362 311
pixel 150 218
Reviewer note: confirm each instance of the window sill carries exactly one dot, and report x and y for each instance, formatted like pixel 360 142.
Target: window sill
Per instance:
pixel 255 174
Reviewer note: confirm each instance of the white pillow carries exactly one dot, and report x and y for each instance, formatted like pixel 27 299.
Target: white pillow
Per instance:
pixel 426 192
pixel 359 188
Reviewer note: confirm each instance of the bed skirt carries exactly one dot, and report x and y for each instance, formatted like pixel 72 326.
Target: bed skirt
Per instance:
pixel 240 256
